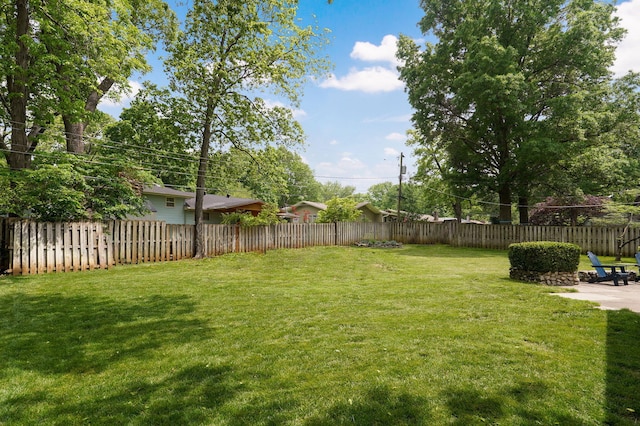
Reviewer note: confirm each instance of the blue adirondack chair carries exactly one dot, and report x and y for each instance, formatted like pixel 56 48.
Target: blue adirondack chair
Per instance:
pixel 603 275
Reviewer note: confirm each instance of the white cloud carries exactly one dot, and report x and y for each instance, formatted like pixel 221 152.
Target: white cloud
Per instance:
pixel 333 142
pixel 385 52
pixel 392 152
pixel 350 164
pixel 627 57
pixel 374 79
pixel 369 80
pixel 395 136
pixel 125 98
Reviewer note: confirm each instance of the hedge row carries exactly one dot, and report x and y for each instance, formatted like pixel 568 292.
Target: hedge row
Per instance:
pixel 544 256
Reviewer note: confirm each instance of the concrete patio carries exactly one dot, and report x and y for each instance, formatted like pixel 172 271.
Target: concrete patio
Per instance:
pixel 607 295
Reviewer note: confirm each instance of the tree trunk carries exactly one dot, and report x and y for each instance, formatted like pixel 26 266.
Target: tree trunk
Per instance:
pixel 457 209
pixel 75 136
pixel 573 216
pixel 74 129
pixel 20 155
pixel 200 192
pixel 523 210
pixel 504 194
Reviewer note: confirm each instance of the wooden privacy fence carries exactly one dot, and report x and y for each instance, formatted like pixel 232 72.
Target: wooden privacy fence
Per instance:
pixel 31 248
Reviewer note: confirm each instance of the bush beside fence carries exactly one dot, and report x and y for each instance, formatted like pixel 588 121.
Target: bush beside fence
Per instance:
pixel 30 248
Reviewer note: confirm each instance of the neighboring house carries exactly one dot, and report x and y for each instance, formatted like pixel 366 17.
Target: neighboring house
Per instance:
pixel 392 216
pixel 165 204
pixel 370 213
pixel 178 207
pixel 307 212
pixel 216 205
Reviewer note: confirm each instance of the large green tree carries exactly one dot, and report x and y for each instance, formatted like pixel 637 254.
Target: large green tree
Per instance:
pixel 276 175
pixel 156 133
pixel 383 195
pixel 60 57
pixel 334 189
pixel 227 54
pixel 511 88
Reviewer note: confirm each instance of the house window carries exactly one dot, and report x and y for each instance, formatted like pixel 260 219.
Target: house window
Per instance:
pixel 171 202
pixel 205 216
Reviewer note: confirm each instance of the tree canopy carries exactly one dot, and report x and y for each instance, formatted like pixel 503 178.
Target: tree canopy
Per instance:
pixel 339 210
pixel 156 133
pixel 512 89
pixel 64 187
pixel 227 54
pixel 60 57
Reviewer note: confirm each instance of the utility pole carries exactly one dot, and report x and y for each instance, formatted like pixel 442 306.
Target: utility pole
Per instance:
pixel 402 171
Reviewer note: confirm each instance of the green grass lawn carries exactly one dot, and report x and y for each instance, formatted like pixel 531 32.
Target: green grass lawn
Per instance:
pixel 322 336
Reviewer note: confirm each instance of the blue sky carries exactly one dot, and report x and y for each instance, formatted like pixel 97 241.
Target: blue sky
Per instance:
pixel 356 119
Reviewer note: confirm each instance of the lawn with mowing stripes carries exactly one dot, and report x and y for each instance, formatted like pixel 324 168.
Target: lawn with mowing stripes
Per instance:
pixel 319 336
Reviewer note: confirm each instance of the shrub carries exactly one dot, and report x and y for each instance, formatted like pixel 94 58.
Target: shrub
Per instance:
pixel 544 256
pixel 267 216
pixel 339 210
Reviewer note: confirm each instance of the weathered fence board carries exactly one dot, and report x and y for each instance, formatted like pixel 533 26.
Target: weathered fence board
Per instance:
pixel 28 247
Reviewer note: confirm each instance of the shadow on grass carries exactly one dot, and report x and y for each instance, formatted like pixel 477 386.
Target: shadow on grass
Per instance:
pixel 470 406
pixel 64 336
pixel 55 334
pixel 623 368
pixel 190 396
pixel 379 406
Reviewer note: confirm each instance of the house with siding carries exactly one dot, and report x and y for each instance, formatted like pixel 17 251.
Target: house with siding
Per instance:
pixel 370 213
pixel 178 207
pixel 307 212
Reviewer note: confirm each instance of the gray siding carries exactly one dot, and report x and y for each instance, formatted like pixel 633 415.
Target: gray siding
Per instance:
pixel 214 218
pixel 172 215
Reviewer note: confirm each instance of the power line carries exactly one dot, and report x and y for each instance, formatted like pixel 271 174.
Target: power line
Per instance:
pixel 149 167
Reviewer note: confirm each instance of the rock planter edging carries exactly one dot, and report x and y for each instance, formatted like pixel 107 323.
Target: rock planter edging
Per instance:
pixel 592 276
pixel 548 278
pixel 378 244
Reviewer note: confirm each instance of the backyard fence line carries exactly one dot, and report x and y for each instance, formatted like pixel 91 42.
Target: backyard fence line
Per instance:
pixel 28 247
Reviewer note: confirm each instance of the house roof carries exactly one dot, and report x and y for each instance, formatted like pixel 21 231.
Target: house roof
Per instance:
pixel 163 190
pixel 210 201
pixel 319 206
pixel 367 205
pixel 222 203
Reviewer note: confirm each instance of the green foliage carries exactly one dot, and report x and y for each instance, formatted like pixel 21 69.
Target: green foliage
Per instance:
pixel 437 192
pixel 512 93
pixel 52 193
pixel 274 174
pixel 623 210
pixel 66 188
pixel 156 132
pixel 226 56
pixel 339 210
pixel 334 189
pixel 383 195
pixel 60 57
pixel 267 216
pixel 544 256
